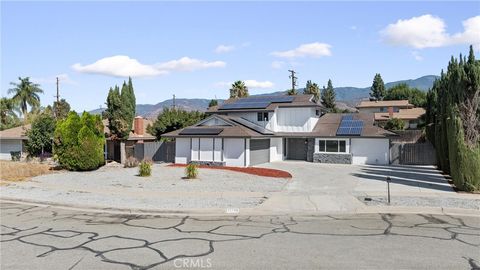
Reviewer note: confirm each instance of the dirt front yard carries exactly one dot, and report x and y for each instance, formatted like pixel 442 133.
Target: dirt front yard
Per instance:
pixel 17 171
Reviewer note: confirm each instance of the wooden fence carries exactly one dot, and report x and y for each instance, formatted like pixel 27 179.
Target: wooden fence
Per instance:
pixel 155 151
pixel 413 153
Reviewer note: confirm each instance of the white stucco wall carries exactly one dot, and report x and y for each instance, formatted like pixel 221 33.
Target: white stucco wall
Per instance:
pixel 234 152
pixel 182 150
pixel 370 151
pixel 295 119
pixel 276 149
pixel 206 149
pixel 7 145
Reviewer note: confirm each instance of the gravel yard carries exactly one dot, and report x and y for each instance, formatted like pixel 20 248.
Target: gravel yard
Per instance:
pixel 118 187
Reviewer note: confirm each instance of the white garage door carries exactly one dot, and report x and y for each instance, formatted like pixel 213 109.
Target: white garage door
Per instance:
pixel 259 151
pixel 6 146
pixel 370 151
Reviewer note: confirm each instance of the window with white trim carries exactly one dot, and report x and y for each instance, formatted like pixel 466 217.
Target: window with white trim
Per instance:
pixel 332 146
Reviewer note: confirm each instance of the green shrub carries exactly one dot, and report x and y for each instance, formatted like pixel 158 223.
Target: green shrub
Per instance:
pixel 79 142
pixel 15 155
pixel 131 162
pixel 191 171
pixel 145 168
pixel 40 135
pixel 395 124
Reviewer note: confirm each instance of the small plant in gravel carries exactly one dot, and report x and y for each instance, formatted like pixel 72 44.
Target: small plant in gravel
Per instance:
pixel 145 168
pixel 191 171
pixel 131 162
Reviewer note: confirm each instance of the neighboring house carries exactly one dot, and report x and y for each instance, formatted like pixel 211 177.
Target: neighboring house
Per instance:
pixel 388 109
pixel 256 130
pixel 119 151
pixel 13 140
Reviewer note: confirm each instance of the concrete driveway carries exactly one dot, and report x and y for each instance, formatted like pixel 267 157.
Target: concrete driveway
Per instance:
pixel 338 188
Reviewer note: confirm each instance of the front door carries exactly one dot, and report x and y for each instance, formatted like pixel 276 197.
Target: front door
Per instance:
pixel 297 149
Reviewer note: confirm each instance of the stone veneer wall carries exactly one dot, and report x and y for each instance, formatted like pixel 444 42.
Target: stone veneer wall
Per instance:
pixel 332 158
pixel 310 149
pixel 208 163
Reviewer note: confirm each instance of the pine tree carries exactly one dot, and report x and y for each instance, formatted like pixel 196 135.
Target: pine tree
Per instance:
pixel 377 90
pixel 328 96
pixel 212 103
pixel 312 89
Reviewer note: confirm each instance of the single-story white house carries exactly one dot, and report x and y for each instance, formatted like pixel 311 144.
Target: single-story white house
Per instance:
pixel 255 130
pixel 13 140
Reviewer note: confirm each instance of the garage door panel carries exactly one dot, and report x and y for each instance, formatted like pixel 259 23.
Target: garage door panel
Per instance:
pixel 370 151
pixel 297 149
pixel 259 151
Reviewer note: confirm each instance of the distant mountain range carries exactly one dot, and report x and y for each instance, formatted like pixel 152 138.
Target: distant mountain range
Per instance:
pixel 347 97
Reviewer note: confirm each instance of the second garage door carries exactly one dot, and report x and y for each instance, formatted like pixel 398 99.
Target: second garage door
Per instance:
pixel 370 151
pixel 259 151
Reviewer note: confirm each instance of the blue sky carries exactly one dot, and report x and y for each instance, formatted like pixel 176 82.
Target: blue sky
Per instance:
pixel 195 49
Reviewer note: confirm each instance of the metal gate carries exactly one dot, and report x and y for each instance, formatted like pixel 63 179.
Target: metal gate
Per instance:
pixel 259 151
pixel 413 154
pixel 297 149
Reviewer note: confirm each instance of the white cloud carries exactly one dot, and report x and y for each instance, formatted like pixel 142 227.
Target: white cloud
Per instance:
pixel 124 66
pixel 257 84
pixel 353 27
pixel 248 83
pixel 278 64
pixel 429 31
pixel 224 48
pixel 315 49
pixel 417 56
pixel 63 79
pixel 189 64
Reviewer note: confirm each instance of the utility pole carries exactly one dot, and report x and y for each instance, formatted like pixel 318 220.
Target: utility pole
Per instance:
pixel 174 102
pixel 294 78
pixel 58 101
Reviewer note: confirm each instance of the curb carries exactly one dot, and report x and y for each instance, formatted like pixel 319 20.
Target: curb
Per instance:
pixel 246 211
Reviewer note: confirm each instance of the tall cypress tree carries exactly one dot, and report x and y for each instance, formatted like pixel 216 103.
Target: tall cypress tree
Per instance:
pixel 378 87
pixel 120 110
pixel 328 96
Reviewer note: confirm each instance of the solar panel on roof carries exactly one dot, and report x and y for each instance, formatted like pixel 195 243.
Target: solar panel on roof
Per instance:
pixel 347 117
pixel 350 127
pixel 256 102
pixel 201 131
pixel 253 126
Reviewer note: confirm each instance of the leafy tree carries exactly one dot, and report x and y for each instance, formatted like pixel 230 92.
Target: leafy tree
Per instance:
pixel 174 119
pixel 328 96
pixel 212 103
pixel 79 142
pixel 61 109
pixel 395 124
pixel 8 117
pixel 239 90
pixel 40 135
pixel 292 92
pixel 403 91
pixel 120 110
pixel 26 93
pixel 378 87
pixel 312 89
pixel 453 121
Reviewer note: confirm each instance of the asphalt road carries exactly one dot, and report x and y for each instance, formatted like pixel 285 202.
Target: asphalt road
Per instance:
pixel 50 238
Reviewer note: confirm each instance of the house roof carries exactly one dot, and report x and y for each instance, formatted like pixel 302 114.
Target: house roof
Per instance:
pixel 298 101
pixel 232 129
pixel 133 136
pixel 15 133
pixel 384 103
pixel 404 114
pixel 326 126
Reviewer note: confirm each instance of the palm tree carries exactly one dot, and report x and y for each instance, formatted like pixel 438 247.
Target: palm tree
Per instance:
pixel 25 93
pixel 238 90
pixel 7 108
pixel 292 92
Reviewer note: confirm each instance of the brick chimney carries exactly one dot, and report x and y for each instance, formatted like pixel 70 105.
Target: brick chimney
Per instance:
pixel 138 126
pixel 390 112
